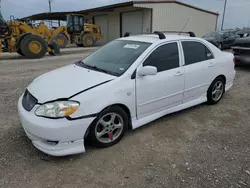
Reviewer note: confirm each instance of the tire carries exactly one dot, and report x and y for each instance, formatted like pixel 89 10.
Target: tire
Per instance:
pixel 55 48
pixel 109 137
pixel 220 46
pixel 214 94
pixel 19 51
pixel 38 51
pixel 19 40
pixel 88 40
pixel 61 40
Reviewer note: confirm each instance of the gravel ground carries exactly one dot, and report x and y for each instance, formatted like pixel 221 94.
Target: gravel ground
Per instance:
pixel 205 146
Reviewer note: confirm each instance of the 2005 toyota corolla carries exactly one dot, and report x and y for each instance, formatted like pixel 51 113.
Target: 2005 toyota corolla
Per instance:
pixel 123 85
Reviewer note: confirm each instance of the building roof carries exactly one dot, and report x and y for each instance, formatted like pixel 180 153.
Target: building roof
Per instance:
pixel 49 16
pixel 131 3
pixel 62 15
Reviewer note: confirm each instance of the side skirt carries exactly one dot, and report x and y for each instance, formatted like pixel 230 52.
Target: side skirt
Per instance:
pixel 138 123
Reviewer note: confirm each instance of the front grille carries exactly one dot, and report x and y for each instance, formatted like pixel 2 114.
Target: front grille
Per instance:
pixel 29 101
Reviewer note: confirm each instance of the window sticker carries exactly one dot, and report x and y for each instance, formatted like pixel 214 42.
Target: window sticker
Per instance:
pixel 132 46
pixel 121 69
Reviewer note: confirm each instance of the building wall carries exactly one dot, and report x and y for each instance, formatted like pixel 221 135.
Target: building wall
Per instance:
pixel 173 16
pixel 114 20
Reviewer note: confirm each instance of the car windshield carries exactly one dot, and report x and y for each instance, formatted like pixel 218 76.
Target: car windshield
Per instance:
pixel 212 34
pixel 115 57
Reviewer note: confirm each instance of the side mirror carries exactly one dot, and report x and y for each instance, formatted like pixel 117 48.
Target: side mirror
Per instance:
pixel 147 71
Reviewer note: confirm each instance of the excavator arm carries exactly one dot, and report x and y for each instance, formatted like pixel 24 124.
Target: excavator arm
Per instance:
pixel 4 28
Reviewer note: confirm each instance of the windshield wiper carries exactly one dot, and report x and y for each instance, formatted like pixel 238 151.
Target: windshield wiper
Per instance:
pixel 98 69
pixel 95 68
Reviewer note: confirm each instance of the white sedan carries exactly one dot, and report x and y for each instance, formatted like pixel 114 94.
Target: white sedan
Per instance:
pixel 123 85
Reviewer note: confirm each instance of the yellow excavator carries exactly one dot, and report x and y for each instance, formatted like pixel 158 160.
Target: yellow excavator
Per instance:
pixel 76 31
pixel 81 33
pixel 17 36
pixel 59 35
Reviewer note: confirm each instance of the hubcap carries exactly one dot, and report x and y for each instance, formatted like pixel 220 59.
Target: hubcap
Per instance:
pixel 218 90
pixel 59 41
pixel 89 41
pixel 109 127
pixel 35 46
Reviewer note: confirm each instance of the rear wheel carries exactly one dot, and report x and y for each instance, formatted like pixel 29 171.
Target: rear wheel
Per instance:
pixel 33 46
pixel 216 91
pixel 88 40
pixel 220 46
pixel 55 49
pixel 109 128
pixel 61 40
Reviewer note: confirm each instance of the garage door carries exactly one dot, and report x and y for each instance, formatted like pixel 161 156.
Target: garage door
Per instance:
pixel 132 22
pixel 102 21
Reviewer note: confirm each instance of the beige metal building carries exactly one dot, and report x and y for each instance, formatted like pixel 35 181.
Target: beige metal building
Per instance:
pixel 149 16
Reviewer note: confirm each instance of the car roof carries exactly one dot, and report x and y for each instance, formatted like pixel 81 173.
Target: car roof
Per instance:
pixel 152 38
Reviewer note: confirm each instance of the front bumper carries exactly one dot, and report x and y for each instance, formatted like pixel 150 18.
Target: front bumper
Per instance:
pixel 56 137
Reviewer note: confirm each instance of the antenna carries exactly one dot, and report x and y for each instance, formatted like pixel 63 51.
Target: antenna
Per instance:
pixel 184 26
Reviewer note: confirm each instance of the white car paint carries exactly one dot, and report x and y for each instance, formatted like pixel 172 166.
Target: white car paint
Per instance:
pixel 147 98
pixel 72 77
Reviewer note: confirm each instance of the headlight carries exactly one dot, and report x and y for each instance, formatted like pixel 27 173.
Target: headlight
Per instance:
pixel 57 109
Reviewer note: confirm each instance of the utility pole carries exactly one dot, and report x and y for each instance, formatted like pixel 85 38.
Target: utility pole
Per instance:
pixel 50 1
pixel 224 13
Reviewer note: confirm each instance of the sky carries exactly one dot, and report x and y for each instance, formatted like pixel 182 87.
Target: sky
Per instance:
pixel 237 12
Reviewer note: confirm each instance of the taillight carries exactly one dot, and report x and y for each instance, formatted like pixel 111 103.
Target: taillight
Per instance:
pixel 234 60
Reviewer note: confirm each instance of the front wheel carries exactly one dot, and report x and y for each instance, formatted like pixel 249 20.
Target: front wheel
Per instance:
pixel 33 46
pixel 109 127
pixel 216 91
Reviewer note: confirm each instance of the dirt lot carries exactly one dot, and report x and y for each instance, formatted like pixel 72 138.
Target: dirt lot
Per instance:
pixel 205 146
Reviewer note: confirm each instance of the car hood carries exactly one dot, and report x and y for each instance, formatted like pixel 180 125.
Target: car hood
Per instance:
pixel 65 82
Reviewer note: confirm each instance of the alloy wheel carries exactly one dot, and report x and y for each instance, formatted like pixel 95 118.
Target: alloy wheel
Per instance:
pixel 109 128
pixel 218 90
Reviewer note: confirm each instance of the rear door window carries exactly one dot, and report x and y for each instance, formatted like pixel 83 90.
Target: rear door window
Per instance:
pixel 195 52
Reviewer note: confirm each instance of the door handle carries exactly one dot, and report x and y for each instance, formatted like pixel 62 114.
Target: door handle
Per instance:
pixel 179 73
